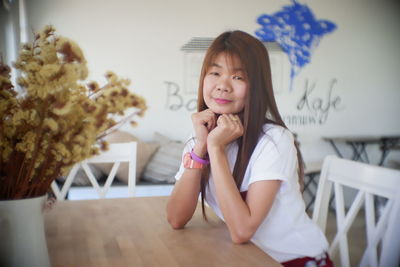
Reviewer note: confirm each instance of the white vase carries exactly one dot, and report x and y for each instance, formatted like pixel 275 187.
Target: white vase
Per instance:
pixel 22 236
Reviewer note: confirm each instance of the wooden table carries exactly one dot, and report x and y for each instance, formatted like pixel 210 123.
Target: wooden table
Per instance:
pixel 135 232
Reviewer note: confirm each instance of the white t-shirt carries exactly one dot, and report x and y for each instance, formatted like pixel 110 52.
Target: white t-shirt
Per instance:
pixel 287 232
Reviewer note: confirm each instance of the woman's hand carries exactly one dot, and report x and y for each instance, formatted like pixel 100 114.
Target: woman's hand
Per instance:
pixel 229 128
pixel 203 123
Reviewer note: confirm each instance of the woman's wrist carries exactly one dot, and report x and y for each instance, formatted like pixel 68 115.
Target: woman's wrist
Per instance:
pixel 215 149
pixel 200 149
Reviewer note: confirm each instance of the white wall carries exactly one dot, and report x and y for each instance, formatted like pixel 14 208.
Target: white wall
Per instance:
pixel 10 34
pixel 141 40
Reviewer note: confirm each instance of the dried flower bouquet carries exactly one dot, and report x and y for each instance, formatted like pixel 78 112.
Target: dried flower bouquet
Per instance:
pixel 58 119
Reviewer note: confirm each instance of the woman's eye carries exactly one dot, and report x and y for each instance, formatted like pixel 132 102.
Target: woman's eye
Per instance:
pixel 236 77
pixel 214 73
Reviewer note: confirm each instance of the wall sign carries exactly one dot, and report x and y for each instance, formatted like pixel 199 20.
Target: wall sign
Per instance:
pixel 177 100
pixel 313 107
pixel 296 29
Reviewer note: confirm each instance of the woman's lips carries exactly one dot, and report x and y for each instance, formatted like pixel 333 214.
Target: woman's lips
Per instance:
pixel 222 101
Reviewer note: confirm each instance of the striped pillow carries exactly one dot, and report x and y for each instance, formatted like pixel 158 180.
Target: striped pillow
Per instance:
pixel 165 163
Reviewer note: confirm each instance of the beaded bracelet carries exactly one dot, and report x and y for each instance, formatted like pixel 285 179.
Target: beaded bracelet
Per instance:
pixel 198 159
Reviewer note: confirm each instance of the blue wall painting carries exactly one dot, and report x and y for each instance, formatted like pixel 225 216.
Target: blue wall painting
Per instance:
pixel 297 31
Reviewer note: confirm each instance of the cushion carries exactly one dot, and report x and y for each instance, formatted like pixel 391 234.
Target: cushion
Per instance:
pixel 81 179
pixel 144 152
pixel 165 163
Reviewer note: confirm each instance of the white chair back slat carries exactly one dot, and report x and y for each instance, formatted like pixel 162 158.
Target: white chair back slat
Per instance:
pixel 320 212
pixel 370 181
pixel 343 227
pixel 110 179
pixel 56 190
pixel 371 229
pixel 68 181
pixel 379 181
pixel 391 241
pixel 117 154
pixel 132 176
pixel 377 235
pixel 92 178
pixel 340 220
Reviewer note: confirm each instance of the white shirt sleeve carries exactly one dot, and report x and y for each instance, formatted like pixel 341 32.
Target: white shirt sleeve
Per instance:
pixel 274 158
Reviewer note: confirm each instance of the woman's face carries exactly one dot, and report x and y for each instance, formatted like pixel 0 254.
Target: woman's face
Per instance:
pixel 225 85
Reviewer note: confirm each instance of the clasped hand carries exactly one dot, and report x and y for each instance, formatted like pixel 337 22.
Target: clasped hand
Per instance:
pixel 216 131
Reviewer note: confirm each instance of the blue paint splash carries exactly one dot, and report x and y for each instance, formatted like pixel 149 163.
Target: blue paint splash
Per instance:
pixel 297 31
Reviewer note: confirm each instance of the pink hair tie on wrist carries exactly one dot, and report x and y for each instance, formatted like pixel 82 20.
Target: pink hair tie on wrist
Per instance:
pixel 198 159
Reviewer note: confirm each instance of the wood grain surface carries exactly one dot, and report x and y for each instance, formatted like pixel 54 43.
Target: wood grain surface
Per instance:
pixel 135 232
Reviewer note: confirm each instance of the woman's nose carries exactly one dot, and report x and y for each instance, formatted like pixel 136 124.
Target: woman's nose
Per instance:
pixel 224 85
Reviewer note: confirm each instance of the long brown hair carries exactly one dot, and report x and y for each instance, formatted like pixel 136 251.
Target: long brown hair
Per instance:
pixel 260 102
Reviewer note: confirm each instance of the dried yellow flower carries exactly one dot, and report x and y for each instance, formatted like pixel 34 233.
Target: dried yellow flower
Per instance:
pixel 62 108
pixel 58 120
pixel 6 152
pixel 27 144
pixel 51 124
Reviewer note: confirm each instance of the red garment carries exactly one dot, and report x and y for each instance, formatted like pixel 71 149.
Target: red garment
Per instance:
pixel 301 262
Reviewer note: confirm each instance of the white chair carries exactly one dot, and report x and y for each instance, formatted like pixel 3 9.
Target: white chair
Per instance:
pixel 312 170
pixel 369 181
pixel 117 153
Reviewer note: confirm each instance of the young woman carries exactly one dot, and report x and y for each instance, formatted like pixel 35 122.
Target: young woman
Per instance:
pixel 243 160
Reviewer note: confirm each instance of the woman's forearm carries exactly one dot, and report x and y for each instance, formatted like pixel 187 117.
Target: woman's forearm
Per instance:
pixel 236 212
pixel 183 200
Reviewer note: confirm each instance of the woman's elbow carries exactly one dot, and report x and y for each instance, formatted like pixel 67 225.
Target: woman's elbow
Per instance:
pixel 177 218
pixel 241 236
pixel 173 219
pixel 176 224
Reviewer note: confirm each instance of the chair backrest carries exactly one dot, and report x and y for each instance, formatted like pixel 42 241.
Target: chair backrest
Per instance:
pixel 369 181
pixel 117 153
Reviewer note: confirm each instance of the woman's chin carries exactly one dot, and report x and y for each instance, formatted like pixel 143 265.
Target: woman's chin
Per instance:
pixel 223 111
pixel 219 111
